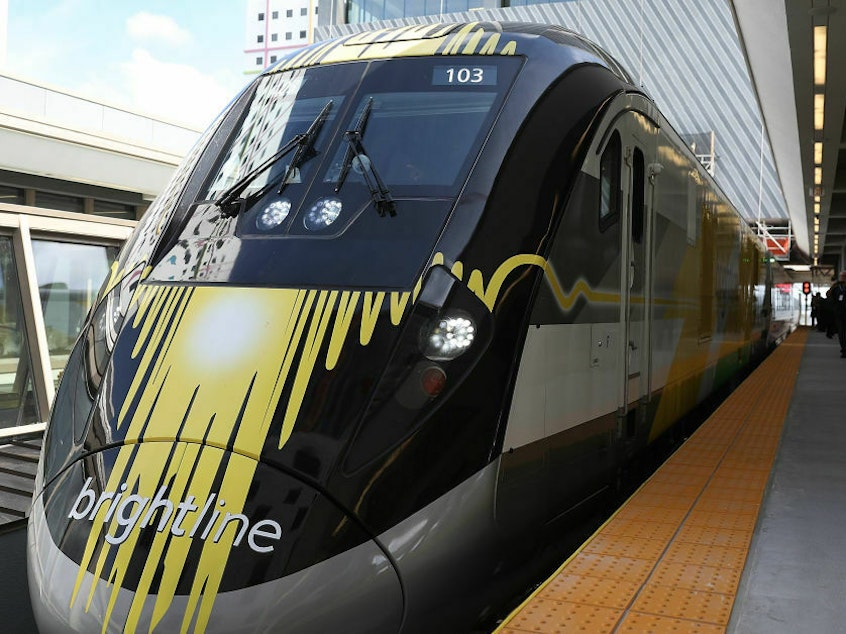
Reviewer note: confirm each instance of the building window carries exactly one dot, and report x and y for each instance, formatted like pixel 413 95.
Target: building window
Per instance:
pixel 289 13
pixel 315 10
pixel 47 200
pixel 259 61
pixel 275 15
pixel 66 273
pixel 17 405
pixel 11 195
pixel 260 39
pixel 113 209
pixel 304 11
pixel 261 17
pixel 273 59
pixel 288 35
pixel 302 35
pixel 274 37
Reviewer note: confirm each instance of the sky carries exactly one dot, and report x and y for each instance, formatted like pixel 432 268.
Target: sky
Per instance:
pixel 178 60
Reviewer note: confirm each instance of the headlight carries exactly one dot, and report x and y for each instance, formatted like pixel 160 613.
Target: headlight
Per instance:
pixel 273 215
pixel 448 336
pixel 322 214
pixel 445 334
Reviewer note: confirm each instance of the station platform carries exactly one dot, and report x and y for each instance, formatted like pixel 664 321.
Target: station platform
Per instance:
pixel 741 530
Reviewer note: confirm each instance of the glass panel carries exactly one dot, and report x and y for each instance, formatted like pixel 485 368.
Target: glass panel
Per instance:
pixel 420 138
pixel 60 202
pixel 69 276
pixel 638 195
pixel 11 195
pixel 609 179
pixel 282 108
pixel 114 210
pixel 17 402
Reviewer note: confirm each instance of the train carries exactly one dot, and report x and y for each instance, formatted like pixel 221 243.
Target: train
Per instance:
pixel 411 304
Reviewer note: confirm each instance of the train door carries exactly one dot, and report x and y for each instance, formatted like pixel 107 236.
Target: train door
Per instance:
pixel 638 137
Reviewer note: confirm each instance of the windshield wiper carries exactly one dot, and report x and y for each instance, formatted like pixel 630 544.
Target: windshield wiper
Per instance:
pixel 230 202
pixel 305 150
pixel 378 191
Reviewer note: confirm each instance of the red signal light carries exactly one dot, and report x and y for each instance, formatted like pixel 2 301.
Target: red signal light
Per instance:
pixel 806 288
pixel 433 380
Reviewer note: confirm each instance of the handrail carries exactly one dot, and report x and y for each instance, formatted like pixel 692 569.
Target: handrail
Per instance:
pixel 22 431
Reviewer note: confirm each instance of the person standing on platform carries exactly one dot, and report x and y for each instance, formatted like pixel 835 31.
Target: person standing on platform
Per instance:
pixel 816 318
pixel 837 301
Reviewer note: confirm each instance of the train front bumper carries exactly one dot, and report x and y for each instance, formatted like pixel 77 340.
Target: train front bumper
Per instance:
pixel 164 536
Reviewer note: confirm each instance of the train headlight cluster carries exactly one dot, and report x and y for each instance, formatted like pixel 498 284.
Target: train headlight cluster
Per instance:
pixel 448 336
pixel 273 215
pixel 322 213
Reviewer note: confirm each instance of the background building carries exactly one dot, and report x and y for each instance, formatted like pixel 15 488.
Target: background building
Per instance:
pixel 275 28
pixel 686 55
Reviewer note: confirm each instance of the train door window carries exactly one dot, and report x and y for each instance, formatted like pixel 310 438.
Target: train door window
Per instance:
pixel 69 276
pixel 638 195
pixel 609 181
pixel 17 401
pixel 707 276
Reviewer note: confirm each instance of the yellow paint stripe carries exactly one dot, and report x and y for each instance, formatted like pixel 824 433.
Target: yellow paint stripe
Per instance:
pixel 399 301
pixel 144 470
pixel 371 307
pixel 177 549
pixel 473 42
pixel 490 46
pixel 346 311
pixel 239 473
pixel 161 329
pixel 164 328
pixel 250 441
pixel 154 465
pixel 158 298
pixel 145 296
pixel 311 347
pixel 204 478
pixel 457 40
pixel 115 276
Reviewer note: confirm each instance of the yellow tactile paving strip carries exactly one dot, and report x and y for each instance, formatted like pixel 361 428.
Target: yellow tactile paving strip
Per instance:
pixel 670 559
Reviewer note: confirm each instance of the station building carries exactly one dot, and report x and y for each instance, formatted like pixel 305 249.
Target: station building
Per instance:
pixel 63 151
pixel 75 174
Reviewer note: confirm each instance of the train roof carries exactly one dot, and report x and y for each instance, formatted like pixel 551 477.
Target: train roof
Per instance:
pixel 469 38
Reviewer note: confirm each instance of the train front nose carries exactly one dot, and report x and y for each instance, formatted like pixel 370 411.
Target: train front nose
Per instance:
pixel 176 536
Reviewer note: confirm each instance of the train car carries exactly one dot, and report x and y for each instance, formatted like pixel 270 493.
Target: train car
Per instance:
pixel 411 304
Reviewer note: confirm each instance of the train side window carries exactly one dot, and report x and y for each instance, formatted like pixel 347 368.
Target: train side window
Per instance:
pixel 638 195
pixel 609 182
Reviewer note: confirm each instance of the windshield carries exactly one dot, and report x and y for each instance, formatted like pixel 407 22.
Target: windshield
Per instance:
pixel 418 138
pixel 280 110
pixel 328 167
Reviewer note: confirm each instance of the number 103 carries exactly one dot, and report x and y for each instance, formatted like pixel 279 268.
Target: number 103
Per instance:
pixel 465 75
